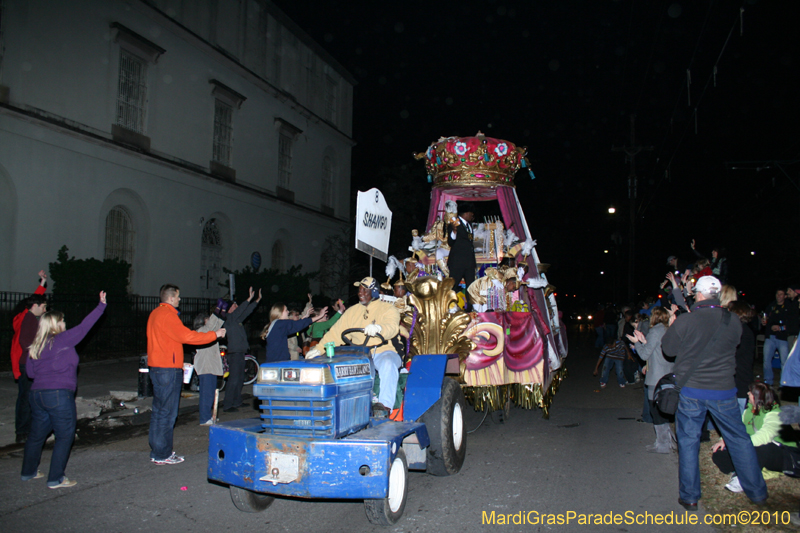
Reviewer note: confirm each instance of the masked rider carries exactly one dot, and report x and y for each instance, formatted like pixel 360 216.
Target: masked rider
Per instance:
pixel 374 317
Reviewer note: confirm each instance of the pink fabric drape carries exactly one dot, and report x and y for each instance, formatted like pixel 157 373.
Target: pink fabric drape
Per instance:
pixel 511 216
pixel 523 345
pixel 437 205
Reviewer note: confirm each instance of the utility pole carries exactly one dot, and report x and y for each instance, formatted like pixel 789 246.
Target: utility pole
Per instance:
pixel 631 152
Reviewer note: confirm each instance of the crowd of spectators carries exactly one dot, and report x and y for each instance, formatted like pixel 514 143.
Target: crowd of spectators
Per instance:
pixel 629 341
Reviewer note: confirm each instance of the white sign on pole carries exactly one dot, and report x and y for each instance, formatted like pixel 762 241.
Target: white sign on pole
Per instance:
pixel 373 224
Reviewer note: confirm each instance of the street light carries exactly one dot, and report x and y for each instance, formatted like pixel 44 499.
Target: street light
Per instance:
pixel 612 210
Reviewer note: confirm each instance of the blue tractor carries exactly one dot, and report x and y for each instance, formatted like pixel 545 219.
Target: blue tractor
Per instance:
pixel 316 437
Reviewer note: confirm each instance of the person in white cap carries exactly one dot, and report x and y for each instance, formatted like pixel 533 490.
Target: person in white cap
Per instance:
pixel 703 343
pixel 375 317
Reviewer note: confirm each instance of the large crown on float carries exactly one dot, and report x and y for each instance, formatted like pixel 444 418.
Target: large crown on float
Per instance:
pixel 472 161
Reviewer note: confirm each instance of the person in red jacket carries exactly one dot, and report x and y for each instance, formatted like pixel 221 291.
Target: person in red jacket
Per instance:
pixel 166 336
pixel 37 306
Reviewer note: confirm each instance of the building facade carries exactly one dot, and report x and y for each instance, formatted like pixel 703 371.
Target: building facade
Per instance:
pixel 181 136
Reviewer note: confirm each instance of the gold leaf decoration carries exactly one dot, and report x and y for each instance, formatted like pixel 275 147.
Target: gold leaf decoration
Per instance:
pixel 437 329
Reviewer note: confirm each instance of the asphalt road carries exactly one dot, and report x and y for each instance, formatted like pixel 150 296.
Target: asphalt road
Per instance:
pixel 589 457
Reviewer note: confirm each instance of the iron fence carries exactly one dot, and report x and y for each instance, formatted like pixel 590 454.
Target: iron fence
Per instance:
pixel 121 331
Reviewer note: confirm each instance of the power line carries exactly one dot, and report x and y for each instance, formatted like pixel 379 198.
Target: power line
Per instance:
pixel 711 76
pixel 650 59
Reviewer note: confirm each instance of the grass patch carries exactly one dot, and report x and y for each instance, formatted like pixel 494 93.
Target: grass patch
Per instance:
pixel 784 495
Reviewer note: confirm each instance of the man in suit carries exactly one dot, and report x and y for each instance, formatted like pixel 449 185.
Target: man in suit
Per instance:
pixel 461 260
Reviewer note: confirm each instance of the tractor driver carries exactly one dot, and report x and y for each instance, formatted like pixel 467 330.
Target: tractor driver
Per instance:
pixel 375 317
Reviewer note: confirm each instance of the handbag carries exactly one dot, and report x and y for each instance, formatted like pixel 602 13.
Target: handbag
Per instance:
pixel 667 393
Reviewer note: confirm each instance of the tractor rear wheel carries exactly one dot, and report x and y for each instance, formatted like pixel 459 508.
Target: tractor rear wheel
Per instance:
pixel 445 424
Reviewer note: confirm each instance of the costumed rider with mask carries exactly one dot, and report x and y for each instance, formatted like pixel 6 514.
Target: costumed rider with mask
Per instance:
pixel 375 317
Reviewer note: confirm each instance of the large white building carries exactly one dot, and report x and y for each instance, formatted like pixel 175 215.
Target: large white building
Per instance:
pixel 182 136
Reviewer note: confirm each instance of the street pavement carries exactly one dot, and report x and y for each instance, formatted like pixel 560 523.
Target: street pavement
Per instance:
pixel 588 457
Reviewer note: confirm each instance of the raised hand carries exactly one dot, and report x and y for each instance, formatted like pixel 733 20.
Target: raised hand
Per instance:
pixel 259 295
pixel 322 315
pixel 221 333
pixel 102 297
pixel 671 278
pixel 252 293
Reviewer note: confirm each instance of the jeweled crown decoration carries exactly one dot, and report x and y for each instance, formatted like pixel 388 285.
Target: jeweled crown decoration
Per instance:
pixel 472 161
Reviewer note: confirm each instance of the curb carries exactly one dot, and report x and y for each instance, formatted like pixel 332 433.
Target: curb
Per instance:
pixel 10 374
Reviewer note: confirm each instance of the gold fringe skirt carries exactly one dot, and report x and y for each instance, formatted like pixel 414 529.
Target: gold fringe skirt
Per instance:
pixel 524 395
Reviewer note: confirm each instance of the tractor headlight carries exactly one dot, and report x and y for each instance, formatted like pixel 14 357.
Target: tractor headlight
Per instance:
pixel 316 376
pixel 267 375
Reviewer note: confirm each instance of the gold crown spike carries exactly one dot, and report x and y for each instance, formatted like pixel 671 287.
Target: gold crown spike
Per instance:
pixel 472 161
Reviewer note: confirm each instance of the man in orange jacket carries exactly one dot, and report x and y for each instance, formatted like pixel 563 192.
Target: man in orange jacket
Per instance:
pixel 22 416
pixel 166 336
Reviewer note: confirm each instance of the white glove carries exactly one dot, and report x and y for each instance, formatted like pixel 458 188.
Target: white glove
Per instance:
pixel 313 352
pixel 371 330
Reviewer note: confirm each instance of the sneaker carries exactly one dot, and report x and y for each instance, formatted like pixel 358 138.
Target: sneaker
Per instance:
pixel 602 385
pixel 621 385
pixel 734 485
pixel 37 475
pixel 171 460
pixel 63 484
pixel 209 422
pixel 379 410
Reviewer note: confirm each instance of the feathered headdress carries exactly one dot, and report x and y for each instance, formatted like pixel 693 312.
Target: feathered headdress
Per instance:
pixel 527 247
pixel 509 239
pixel 392 266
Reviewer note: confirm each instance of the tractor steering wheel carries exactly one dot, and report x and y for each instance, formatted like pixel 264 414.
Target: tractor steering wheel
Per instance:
pixel 349 342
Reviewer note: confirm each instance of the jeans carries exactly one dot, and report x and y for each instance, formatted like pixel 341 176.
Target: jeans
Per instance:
pixel 387 364
pixel 646 416
pixel 51 410
pixel 601 339
pixel 770 345
pixel 167 384
pixel 22 418
pixel 208 385
pixel 617 364
pixel 742 404
pixel 689 421
pixel 233 389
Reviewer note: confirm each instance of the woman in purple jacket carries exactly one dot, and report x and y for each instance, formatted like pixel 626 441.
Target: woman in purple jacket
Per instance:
pixel 53 367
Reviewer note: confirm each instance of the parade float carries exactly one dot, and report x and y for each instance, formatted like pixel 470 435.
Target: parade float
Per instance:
pixel 511 345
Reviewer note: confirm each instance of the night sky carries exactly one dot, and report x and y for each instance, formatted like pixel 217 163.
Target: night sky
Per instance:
pixel 563 78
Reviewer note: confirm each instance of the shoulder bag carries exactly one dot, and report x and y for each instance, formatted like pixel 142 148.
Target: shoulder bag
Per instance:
pixel 667 393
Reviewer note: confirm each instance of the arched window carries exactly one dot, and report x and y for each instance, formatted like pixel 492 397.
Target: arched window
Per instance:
pixel 327 182
pixel 211 260
pixel 119 235
pixel 278 256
